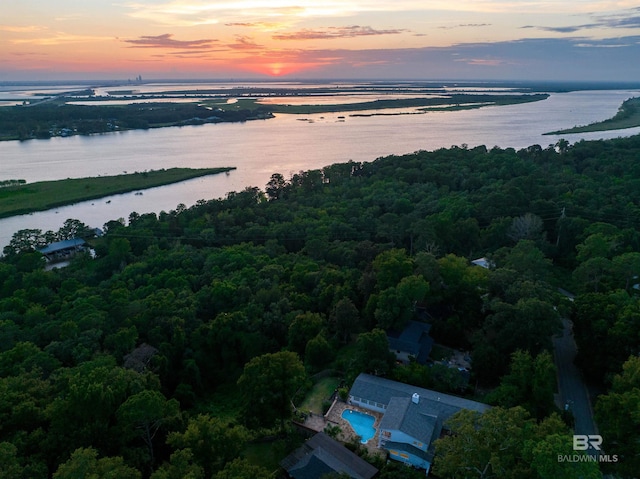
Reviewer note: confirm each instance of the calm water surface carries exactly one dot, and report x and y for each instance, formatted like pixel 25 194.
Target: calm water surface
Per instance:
pixel 284 144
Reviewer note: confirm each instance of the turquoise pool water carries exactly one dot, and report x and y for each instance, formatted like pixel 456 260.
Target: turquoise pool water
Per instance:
pixel 361 423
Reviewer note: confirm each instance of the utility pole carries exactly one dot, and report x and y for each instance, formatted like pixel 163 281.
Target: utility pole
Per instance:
pixel 562 216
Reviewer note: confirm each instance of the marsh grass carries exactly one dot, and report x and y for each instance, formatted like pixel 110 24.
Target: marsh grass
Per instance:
pixel 451 102
pixel 628 116
pixel 44 195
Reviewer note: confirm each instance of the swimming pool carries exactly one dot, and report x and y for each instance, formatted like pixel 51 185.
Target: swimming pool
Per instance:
pixel 361 423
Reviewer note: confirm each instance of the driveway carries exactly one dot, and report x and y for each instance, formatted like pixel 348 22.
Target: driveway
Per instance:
pixel 572 389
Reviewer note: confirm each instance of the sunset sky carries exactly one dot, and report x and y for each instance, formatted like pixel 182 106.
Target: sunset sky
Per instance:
pixel 358 39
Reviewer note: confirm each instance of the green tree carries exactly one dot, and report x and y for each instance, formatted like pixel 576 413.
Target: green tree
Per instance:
pixel 268 383
pixel 11 467
pixel 84 411
pixel 318 353
pixel 242 469
pixel 344 319
pixel 212 443
pixel 591 275
pixel 461 287
pixel 303 328
pixel 118 253
pixel 606 329
pixel 544 454
pixel 181 466
pixel 396 305
pixel 484 445
pixel 530 383
pixel 391 266
pixel 525 258
pixel 618 418
pixel 626 267
pixel 528 325
pixel 372 353
pixel 71 229
pixel 276 187
pixel 84 463
pixel 25 240
pixel 144 414
pixel 597 245
pixel 27 357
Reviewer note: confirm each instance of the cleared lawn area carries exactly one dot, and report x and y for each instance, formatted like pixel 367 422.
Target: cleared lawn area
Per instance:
pixel 320 392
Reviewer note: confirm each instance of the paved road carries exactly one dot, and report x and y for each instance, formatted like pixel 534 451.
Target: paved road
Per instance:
pixel 571 387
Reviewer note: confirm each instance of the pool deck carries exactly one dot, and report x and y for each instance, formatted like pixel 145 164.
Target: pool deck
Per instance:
pixel 334 417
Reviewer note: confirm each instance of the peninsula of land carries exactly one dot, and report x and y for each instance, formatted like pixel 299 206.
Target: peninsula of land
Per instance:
pixel 628 116
pixel 25 198
pixel 87 112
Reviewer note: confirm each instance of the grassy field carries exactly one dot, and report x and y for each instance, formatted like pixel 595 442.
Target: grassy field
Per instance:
pixel 21 199
pixel 628 116
pixel 321 391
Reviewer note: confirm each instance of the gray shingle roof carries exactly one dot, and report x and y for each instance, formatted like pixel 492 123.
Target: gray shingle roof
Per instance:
pixel 413 339
pixel 320 455
pixel 62 245
pixel 401 446
pixel 416 420
pixel 381 390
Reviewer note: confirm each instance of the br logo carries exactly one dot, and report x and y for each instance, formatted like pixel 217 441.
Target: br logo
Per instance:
pixel 582 442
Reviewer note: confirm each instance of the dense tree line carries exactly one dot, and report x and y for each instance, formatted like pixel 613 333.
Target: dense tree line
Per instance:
pixel 48 119
pixel 188 334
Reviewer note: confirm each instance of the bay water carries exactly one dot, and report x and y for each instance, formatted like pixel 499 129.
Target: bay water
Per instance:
pixel 285 144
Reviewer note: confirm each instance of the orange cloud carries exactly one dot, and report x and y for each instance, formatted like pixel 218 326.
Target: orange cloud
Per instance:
pixel 60 38
pixel 335 32
pixel 262 25
pixel 166 41
pixel 23 29
pixel 244 43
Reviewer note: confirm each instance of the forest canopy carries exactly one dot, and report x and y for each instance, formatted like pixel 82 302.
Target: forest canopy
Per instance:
pixel 144 359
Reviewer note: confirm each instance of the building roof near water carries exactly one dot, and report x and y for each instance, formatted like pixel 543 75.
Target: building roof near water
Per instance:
pixel 62 245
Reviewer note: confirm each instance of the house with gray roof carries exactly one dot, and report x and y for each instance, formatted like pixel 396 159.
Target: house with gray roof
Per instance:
pixel 62 249
pixel 322 455
pixel 412 342
pixel 413 417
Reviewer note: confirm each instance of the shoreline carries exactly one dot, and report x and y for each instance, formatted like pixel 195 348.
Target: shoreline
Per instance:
pixel 68 114
pixel 45 195
pixel 628 116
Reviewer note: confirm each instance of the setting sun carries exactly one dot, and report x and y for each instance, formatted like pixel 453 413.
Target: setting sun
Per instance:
pixel 350 39
pixel 276 69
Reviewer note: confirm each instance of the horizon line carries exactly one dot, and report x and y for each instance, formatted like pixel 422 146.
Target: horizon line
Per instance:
pixel 311 80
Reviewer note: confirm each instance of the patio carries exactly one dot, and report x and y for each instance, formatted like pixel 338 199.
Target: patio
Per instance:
pixel 347 434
